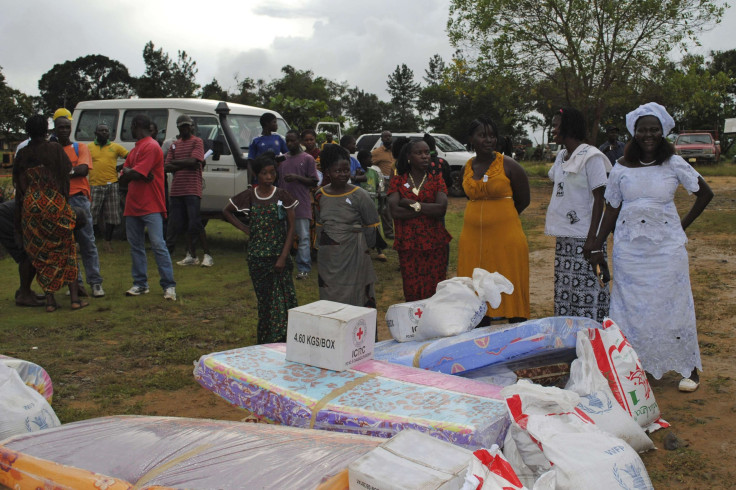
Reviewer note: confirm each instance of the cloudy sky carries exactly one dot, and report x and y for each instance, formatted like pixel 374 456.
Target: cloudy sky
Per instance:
pixel 357 41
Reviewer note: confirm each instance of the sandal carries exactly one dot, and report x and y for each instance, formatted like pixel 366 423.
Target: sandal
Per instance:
pixel 78 305
pixel 51 307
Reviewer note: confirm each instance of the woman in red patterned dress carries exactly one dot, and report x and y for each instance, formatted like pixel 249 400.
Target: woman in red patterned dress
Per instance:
pixel 418 202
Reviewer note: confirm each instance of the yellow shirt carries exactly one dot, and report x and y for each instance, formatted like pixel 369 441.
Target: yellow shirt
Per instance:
pixel 384 159
pixel 105 159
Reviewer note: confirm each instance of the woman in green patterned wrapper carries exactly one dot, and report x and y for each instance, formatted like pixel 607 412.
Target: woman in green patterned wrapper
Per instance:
pixel 271 229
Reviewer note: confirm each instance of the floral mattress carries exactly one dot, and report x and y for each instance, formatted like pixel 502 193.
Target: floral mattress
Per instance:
pixel 374 398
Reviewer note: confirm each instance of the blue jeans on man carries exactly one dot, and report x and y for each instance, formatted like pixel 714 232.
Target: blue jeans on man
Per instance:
pixel 86 239
pixel 135 227
pixel 303 251
pixel 184 215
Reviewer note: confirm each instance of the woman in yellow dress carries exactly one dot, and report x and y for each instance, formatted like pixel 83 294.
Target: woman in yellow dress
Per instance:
pixel 492 238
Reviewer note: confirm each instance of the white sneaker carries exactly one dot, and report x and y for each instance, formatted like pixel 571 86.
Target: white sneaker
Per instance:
pixel 688 385
pixel 170 293
pixel 189 260
pixel 97 291
pixel 136 291
pixel 207 261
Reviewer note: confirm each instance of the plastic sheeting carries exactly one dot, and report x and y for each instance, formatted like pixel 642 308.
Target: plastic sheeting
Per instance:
pixel 32 375
pixel 487 346
pixel 373 398
pixel 147 452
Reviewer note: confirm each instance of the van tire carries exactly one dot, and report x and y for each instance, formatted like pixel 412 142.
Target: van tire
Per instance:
pixel 456 189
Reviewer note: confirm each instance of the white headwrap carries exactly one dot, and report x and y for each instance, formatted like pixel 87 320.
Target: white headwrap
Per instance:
pixel 650 109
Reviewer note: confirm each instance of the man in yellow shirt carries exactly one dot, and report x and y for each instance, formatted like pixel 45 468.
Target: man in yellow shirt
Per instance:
pixel 103 180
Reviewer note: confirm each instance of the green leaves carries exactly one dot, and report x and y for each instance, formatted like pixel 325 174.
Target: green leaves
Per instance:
pixel 88 77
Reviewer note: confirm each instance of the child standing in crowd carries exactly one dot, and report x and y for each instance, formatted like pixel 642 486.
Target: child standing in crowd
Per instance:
pixel 346 230
pixel 297 175
pixel 271 231
pixel 269 139
pixel 309 140
pixel 374 186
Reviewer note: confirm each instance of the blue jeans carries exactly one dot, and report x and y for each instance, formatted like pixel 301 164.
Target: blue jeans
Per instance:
pixel 303 251
pixel 184 215
pixel 86 239
pixel 135 226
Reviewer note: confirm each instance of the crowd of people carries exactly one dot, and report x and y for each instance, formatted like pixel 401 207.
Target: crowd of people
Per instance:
pixel 304 197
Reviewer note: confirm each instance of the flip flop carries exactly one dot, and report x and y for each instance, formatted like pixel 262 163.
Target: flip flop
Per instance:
pixel 78 305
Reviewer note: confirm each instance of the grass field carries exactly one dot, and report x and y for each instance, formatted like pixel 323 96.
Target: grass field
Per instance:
pixel 121 354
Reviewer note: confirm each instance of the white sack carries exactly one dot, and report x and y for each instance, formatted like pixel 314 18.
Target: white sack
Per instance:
pixel 580 454
pixel 458 306
pixel 597 400
pixel 22 409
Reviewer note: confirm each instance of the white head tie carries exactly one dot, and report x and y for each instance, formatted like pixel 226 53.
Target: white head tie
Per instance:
pixel 650 109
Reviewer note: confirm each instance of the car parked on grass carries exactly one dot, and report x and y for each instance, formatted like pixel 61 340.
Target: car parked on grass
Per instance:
pixel 226 128
pixel 447 147
pixel 698 147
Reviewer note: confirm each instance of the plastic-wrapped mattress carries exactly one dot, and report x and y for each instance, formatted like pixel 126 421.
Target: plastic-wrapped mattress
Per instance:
pixel 374 398
pixel 125 452
pixel 488 346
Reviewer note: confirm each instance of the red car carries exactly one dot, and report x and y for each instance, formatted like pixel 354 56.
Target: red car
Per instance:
pixel 698 147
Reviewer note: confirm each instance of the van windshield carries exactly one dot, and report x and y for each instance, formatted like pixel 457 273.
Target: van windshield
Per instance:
pixel 448 143
pixel 245 128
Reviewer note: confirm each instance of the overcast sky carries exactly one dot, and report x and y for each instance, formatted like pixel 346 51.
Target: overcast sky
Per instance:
pixel 360 42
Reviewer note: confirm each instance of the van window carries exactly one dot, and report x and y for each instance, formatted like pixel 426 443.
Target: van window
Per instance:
pixel 245 128
pixel 448 143
pixel 89 119
pixel 368 141
pixel 208 128
pixel 159 116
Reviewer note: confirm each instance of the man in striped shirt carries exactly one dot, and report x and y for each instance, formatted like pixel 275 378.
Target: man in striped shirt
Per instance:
pixel 185 159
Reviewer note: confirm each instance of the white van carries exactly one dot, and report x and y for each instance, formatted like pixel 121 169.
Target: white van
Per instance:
pixel 226 128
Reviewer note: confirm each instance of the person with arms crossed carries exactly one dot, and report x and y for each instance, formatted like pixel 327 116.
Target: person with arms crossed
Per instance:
pixel 185 159
pixel 297 175
pixel 145 208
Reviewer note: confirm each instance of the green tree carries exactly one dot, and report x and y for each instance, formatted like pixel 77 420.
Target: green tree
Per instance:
pixel 587 49
pixel 436 98
pixel 302 98
pixel 214 91
pixel 366 111
pixel 248 92
pixel 15 108
pixel 167 78
pixel 404 93
pixel 86 78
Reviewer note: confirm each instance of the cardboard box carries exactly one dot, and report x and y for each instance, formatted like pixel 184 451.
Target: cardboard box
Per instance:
pixel 411 460
pixel 330 335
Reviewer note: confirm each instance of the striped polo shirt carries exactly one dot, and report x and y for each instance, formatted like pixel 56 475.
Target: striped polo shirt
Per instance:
pixel 186 182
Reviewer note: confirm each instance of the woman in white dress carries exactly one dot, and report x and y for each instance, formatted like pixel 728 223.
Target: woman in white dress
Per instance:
pixel 651 299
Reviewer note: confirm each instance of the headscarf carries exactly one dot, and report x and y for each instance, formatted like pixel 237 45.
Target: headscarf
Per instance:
pixel 650 109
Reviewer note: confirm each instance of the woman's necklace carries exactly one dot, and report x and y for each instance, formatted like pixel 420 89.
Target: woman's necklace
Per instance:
pixel 416 188
pixel 646 164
